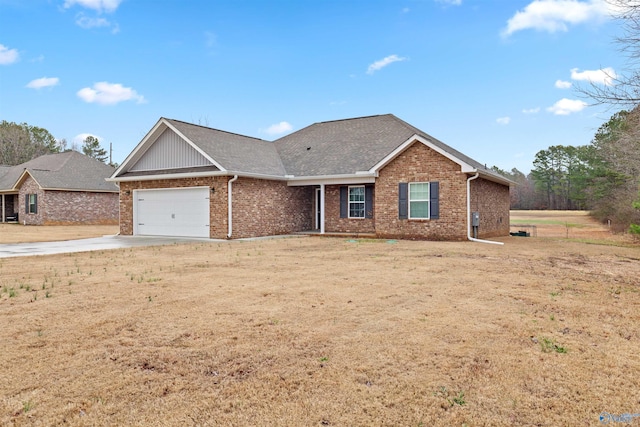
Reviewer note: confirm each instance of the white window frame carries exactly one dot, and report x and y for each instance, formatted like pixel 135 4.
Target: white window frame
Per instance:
pixel 428 200
pixel 349 202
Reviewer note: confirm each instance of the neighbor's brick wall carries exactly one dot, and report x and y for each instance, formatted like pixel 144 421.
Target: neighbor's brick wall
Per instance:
pixel 29 186
pixel 419 163
pixel 267 208
pixel 79 207
pixel 218 201
pixel 332 221
pixel 492 201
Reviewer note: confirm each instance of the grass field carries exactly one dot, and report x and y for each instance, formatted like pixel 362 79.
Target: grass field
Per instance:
pixel 314 331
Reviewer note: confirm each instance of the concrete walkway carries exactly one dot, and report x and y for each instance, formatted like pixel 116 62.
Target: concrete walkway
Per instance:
pixel 86 245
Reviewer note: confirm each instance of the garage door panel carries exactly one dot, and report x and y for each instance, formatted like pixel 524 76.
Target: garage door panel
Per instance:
pixel 180 212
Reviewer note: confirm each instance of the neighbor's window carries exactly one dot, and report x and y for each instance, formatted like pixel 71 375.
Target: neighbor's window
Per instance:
pixel 356 202
pixel 419 200
pixel 33 203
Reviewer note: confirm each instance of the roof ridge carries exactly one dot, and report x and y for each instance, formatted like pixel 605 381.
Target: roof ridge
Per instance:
pixel 353 118
pixel 217 130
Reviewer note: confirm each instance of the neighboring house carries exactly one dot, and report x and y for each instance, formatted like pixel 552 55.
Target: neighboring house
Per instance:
pixel 371 176
pixel 55 189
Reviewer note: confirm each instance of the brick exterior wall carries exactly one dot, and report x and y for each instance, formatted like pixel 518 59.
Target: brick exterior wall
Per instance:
pixel 66 207
pixel 30 186
pixel 79 207
pixel 263 208
pixel 419 163
pixel 492 201
pixel 260 207
pixel 332 221
pixel 267 208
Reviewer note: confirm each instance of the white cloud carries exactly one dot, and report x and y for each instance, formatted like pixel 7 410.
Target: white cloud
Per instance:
pixel 43 82
pixel 87 23
pixel 79 139
pixel 503 120
pixel 565 106
pixel 531 110
pixel 383 63
pixel 605 76
pixel 279 128
pixel 97 5
pixel 561 84
pixel 405 10
pixel 453 2
pixel 556 15
pixel 8 56
pixel 106 93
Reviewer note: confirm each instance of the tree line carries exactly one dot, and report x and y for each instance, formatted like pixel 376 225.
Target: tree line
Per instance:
pixel 602 177
pixel 21 142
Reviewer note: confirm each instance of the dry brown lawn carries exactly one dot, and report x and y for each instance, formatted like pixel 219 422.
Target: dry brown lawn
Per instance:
pixel 18 233
pixel 316 331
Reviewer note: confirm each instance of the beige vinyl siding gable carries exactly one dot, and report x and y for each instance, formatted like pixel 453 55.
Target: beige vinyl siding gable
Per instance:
pixel 170 151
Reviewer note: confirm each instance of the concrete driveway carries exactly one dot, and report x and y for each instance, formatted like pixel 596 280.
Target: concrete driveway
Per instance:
pixel 86 245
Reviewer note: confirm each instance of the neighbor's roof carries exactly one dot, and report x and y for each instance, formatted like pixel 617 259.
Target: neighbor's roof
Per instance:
pixel 70 170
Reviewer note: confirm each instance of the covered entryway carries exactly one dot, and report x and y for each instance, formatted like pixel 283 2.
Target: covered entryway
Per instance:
pixel 180 212
pixel 8 211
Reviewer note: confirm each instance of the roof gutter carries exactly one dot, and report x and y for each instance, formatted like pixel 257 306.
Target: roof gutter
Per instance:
pixel 471 178
pixel 195 175
pixel 230 206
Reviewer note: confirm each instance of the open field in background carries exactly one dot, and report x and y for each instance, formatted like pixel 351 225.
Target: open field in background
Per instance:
pixel 323 331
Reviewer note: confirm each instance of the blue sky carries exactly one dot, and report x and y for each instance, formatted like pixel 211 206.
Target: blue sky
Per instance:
pixel 493 79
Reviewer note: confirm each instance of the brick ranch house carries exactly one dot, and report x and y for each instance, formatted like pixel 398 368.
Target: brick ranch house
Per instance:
pixel 373 175
pixel 58 189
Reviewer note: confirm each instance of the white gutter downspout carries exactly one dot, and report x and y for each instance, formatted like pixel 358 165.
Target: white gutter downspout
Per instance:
pixel 230 209
pixel 469 214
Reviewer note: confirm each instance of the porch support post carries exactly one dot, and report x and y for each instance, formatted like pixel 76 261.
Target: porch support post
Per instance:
pixel 3 218
pixel 321 208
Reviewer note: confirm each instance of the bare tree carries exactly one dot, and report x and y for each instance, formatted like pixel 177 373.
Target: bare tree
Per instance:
pixel 624 89
pixel 22 142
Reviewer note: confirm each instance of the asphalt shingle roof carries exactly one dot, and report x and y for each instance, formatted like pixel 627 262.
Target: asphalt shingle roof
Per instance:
pixel 236 153
pixel 340 147
pixel 64 171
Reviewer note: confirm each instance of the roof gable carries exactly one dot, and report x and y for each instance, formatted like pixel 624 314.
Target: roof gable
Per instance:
pixel 211 151
pixel 70 170
pixel 170 151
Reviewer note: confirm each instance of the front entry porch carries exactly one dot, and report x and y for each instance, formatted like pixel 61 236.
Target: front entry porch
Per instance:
pixel 8 208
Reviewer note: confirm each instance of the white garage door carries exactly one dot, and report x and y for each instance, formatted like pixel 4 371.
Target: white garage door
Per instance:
pixel 180 212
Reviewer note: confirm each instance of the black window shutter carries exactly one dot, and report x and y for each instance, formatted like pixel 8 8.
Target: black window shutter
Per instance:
pixel 368 201
pixel 403 205
pixel 434 199
pixel 35 203
pixel 26 203
pixel 344 205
